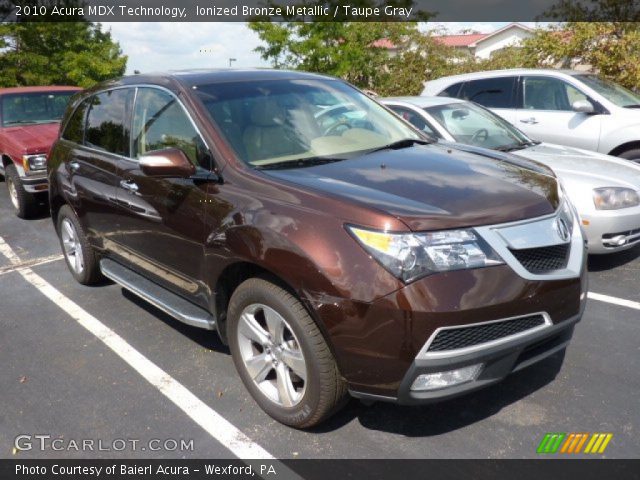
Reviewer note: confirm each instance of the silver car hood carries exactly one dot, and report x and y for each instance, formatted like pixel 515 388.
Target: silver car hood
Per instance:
pixel 575 162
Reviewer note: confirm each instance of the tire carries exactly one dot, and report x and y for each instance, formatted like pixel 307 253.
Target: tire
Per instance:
pixel 307 401
pixel 633 155
pixel 25 204
pixel 81 258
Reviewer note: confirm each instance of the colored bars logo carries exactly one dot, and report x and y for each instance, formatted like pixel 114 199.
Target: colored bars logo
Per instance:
pixel 573 442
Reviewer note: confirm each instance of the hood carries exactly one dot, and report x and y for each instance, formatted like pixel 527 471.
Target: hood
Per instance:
pixel 434 187
pixel 27 139
pixel 601 169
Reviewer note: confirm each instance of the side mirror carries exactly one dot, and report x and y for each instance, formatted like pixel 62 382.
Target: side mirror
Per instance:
pixel 168 162
pixel 583 106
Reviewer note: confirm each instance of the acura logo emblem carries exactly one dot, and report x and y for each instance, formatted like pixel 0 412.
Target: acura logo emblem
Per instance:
pixel 562 229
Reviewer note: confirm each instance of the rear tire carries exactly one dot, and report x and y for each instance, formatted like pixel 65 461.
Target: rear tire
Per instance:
pixel 633 155
pixel 281 355
pixel 81 258
pixel 25 204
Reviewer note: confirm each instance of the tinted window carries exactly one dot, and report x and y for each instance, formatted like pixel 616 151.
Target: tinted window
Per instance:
pixel 160 122
pixel 107 127
pixel 74 130
pixel 414 119
pixel 547 93
pixel 451 91
pixel 490 92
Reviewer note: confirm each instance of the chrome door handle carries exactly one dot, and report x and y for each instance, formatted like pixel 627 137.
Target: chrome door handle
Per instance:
pixel 530 121
pixel 129 185
pixel 74 166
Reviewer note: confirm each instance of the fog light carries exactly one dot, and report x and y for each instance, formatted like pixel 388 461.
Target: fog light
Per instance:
pixel 437 380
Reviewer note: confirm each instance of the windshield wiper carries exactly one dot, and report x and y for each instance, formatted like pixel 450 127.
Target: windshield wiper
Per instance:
pixel 514 146
pixel 298 163
pixel 404 143
pixel 633 105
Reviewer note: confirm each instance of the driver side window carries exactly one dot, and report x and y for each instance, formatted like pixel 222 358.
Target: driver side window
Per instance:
pixel 160 122
pixel 546 93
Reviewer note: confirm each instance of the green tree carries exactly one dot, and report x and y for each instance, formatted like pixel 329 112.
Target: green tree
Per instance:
pixel 48 53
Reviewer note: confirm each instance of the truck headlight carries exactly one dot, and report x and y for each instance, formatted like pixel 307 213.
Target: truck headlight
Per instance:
pixel 614 198
pixel 33 163
pixel 409 256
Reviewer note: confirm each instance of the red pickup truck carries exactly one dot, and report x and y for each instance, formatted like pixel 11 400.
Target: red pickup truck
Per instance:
pixel 29 124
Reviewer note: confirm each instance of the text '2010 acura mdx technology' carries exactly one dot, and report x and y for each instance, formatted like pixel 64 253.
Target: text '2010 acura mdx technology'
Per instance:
pixel 329 244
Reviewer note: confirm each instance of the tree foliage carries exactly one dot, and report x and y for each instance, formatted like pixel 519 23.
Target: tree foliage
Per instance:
pixel 48 53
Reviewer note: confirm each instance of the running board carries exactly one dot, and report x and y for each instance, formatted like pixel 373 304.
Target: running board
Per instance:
pixel 160 297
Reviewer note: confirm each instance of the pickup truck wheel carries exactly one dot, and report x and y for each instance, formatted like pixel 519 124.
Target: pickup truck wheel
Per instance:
pixel 24 203
pixel 633 155
pixel 81 259
pixel 281 356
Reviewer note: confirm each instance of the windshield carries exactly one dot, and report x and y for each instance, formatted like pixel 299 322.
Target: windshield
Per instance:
pixel 613 92
pixel 300 122
pixel 37 107
pixel 473 125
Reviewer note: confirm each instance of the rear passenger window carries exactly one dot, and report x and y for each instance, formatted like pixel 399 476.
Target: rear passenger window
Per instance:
pixel 451 91
pixel 160 122
pixel 74 130
pixel 490 92
pixel 107 127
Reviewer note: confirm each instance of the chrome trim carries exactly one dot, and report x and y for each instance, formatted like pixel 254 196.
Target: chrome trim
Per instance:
pixel 424 353
pixel 505 236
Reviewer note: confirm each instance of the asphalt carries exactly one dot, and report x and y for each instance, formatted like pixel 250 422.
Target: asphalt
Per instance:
pixel 58 379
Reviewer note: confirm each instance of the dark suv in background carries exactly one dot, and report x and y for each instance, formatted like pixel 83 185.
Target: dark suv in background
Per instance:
pixel 322 237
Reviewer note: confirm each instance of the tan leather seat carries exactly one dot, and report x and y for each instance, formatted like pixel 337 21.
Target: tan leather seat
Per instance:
pixel 267 135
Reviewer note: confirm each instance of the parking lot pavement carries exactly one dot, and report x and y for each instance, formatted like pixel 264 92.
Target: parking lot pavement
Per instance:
pixel 59 379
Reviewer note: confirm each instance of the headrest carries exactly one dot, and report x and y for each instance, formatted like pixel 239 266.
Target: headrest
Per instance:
pixel 267 113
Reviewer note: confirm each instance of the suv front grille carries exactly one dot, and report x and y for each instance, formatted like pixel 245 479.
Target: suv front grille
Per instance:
pixel 456 338
pixel 543 259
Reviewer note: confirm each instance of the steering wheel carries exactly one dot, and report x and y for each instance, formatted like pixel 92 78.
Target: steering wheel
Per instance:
pixel 333 129
pixel 481 134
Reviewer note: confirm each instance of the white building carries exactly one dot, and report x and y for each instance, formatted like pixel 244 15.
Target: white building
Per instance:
pixel 483 45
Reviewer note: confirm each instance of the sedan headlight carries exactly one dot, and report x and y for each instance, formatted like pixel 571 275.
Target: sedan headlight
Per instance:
pixel 33 163
pixel 409 256
pixel 614 198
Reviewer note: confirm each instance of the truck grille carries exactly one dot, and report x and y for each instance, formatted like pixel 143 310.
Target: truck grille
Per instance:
pixel 456 338
pixel 543 259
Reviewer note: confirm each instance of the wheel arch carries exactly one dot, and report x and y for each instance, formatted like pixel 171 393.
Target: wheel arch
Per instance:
pixel 624 147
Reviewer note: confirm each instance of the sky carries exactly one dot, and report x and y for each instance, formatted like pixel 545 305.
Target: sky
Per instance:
pixel 173 45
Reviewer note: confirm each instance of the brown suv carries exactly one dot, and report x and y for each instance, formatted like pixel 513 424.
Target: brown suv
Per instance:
pixel 322 237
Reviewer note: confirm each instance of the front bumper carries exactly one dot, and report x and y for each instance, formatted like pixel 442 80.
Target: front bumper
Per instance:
pixel 35 183
pixel 605 227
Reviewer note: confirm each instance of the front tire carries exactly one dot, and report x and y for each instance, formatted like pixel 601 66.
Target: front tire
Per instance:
pixel 633 155
pixel 24 203
pixel 80 256
pixel 281 355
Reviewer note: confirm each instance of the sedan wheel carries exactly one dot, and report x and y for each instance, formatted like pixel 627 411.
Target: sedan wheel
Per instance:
pixel 271 354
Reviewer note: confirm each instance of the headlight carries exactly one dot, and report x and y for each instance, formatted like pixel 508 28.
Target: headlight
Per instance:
pixel 34 162
pixel 409 256
pixel 614 198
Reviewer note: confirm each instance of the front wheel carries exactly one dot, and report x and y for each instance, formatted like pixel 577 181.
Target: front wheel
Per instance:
pixel 633 155
pixel 24 203
pixel 281 355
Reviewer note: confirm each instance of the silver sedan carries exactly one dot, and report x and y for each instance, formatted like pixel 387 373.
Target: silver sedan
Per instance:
pixel 604 189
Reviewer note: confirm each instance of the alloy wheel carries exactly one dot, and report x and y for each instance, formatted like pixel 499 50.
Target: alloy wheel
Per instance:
pixel 72 246
pixel 271 354
pixel 13 192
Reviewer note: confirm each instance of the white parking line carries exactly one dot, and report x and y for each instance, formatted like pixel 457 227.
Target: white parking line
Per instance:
pixel 210 420
pixel 30 263
pixel 615 300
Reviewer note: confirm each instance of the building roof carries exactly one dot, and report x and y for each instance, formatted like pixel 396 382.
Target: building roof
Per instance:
pixel 460 40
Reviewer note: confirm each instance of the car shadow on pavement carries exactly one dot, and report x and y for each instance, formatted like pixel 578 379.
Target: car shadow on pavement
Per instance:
pixel 599 263
pixel 205 338
pixel 448 415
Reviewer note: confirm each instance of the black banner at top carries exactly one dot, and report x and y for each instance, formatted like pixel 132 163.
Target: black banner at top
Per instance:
pixel 318 10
